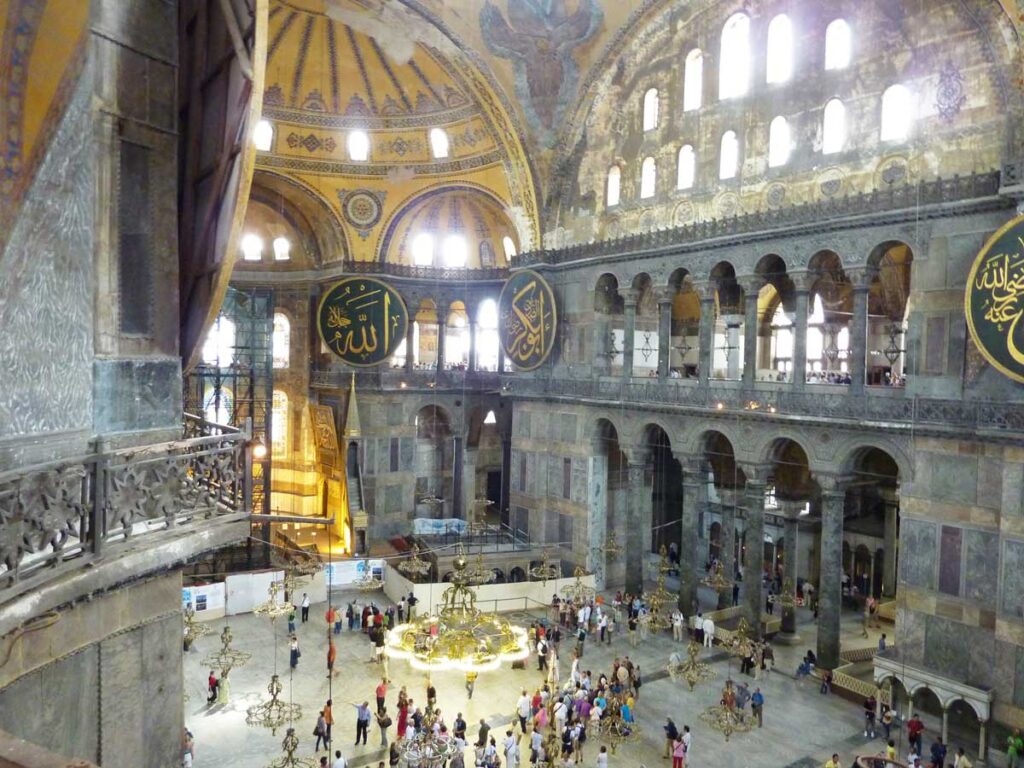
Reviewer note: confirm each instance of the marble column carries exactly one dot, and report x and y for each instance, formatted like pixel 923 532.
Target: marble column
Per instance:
pixel 664 334
pixel 982 741
pixel 858 338
pixel 442 333
pixel 829 593
pixel 410 352
pixel 732 342
pixel 629 337
pixel 471 363
pixel 638 515
pixel 753 573
pixel 945 725
pixel 707 336
pixel 800 339
pixel 727 540
pixel 457 479
pixel 597 506
pixel 689 536
pixel 789 575
pixel 469 483
pixel 601 359
pixel 751 291
pixel 890 543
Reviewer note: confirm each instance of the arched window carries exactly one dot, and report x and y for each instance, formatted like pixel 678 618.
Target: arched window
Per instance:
pixel 837 45
pixel 509 247
pixel 423 249
pixel 438 143
pixel 281 343
pixel 358 146
pixel 782 341
pixel 218 405
pixel 252 247
pixel 455 251
pixel 490 418
pixel 279 424
pixel 897 113
pixel 687 167
pixel 779 142
pixel 729 157
pixel 219 347
pixel 651 109
pixel 487 348
pixel 734 61
pixel 282 249
pixel 833 128
pixel 263 135
pixel 693 81
pixel 780 49
pixel 647 178
pixel 614 181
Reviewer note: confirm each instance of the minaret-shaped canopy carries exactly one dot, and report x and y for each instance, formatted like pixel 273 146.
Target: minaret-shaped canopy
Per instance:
pixel 352 414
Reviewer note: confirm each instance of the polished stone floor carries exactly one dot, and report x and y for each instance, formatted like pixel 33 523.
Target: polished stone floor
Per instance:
pixel 801 727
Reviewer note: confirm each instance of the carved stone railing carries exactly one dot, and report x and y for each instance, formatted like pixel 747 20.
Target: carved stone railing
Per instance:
pixel 424 273
pixel 73 509
pixel 889 201
pixel 398 378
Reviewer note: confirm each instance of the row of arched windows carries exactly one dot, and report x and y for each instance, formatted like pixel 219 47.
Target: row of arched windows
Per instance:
pixel 357 142
pixel 454 250
pixel 896 121
pixel 734 67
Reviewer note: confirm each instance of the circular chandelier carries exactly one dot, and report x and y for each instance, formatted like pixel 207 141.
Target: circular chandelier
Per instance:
pixel 479 573
pixel 194 629
pixel 717 580
pixel 289 745
pixel 787 598
pixel 691 670
pixel 726 717
pixel 459 636
pixel 613 729
pixel 415 566
pixel 273 713
pixel 659 616
pixel 544 570
pixel 426 750
pixel 227 657
pixel 578 592
pixel 273 609
pixel 611 548
pixel 742 644
pixel 367 582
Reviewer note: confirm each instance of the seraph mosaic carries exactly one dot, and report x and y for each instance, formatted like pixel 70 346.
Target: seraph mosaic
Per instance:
pixel 539 37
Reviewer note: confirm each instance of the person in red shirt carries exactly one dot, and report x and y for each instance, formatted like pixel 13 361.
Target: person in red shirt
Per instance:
pixel 332 654
pixel 914 730
pixel 212 684
pixel 382 691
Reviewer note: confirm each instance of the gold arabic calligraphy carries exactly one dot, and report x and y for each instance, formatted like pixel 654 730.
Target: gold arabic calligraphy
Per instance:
pixel 528 326
pixel 1002 277
pixel 359 323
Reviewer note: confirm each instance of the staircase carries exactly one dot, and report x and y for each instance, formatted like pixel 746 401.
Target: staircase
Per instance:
pixel 355 493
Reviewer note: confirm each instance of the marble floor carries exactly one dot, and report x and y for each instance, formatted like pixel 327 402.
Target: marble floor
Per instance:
pixel 801 727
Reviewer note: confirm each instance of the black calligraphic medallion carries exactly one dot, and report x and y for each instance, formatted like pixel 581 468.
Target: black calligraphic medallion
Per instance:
pixel 994 300
pixel 527 320
pixel 362 320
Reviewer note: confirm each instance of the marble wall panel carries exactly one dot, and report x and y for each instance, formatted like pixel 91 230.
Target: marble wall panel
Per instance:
pixel 918 551
pixel 947 647
pixel 981 567
pixel 1012 601
pixel 954 479
pixel 950 555
pixel 1018 679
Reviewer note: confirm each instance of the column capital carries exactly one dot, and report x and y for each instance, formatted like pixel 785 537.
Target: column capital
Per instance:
pixel 664 294
pixel 756 474
pixel 706 291
pixel 832 485
pixel 637 455
pixel 751 284
pixel 861 277
pixel 804 281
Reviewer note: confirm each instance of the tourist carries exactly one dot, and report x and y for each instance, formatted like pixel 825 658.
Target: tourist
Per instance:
pixel 914 730
pixel 1014 748
pixel 481 739
pixel 339 761
pixel 381 693
pixel 757 705
pixel 678 752
pixel 677 625
pixel 881 643
pixel 332 654
pixel 329 717
pixel 362 720
pixel 687 740
pixel 470 684
pixel 394 757
pixel 890 750
pixel 602 757
pixel 291 621
pixel 833 762
pixel 510 747
pixel 887 719
pixel 293 652
pixel 581 636
pixel 632 625
pixel 320 731
pixel 708 629
pixel 305 607
pixel 383 722
pixel 961 761
pixel 671 735
pixel 211 687
pixel 938 750
pixel 412 600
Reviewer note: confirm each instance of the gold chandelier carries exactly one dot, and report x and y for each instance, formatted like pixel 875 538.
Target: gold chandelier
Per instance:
pixel 459 636
pixel 611 548
pixel 227 658
pixel 273 609
pixel 717 580
pixel 273 713
pixel 787 598
pixel 613 729
pixel 726 717
pixel 289 745
pixel 544 570
pixel 194 629
pixel 415 566
pixel 479 573
pixel 578 592
pixel 426 750
pixel 367 582
pixel 691 670
pixel 742 643
pixel 659 616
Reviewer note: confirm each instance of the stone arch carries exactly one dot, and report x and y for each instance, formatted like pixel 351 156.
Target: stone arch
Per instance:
pixel 607 296
pixel 307 210
pixel 854 451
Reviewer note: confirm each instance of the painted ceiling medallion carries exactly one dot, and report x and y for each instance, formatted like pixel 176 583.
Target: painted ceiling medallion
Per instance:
pixel 362 209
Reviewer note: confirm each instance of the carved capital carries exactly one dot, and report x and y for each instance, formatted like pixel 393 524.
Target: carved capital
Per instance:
pixel 751 285
pixel 664 295
pixel 862 277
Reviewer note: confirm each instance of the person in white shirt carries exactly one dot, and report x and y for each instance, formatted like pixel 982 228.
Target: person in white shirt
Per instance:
pixel 509 748
pixel 523 710
pixel 709 632
pixel 561 713
pixel 536 740
pixel 339 761
pixel 687 740
pixel 677 625
pixel 602 758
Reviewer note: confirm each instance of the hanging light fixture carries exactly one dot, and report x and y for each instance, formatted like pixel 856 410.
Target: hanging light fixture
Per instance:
pixel 273 713
pixel 194 629
pixel 578 592
pixel 613 729
pixel 659 615
pixel 289 745
pixel 544 570
pixel 717 579
pixel 726 717
pixel 459 635
pixel 611 548
pixel 273 609
pixel 367 582
pixel 415 566
pixel 691 670
pixel 227 658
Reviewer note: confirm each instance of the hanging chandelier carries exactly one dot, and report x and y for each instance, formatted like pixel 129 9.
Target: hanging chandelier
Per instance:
pixel 479 573
pixel 659 615
pixel 415 566
pixel 691 670
pixel 273 713
pixel 194 629
pixel 459 636
pixel 227 658
pixel 742 644
pixel 726 717
pixel 578 592
pixel 367 582
pixel 611 548
pixel 273 609
pixel 289 745
pixel 613 729
pixel 427 750
pixel 717 579
pixel 787 598
pixel 545 570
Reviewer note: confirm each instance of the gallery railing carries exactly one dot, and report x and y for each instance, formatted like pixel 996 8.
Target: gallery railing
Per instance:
pixel 71 510
pixel 424 272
